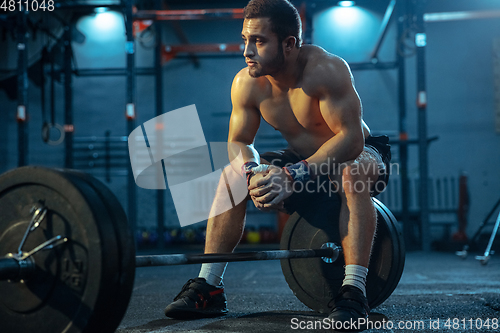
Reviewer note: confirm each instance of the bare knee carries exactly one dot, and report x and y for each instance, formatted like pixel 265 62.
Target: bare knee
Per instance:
pixel 231 184
pixel 355 181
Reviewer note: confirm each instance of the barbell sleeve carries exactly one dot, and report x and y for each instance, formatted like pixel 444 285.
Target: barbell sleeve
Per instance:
pixel 9 268
pixel 14 269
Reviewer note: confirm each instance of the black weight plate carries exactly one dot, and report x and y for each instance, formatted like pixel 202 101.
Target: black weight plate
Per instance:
pixel 388 257
pixel 115 297
pixel 315 282
pixel 73 282
pixel 125 240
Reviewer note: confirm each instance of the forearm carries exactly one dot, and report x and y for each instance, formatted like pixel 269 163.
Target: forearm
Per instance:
pixel 339 149
pixel 241 153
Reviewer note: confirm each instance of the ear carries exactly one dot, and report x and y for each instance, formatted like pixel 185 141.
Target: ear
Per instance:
pixel 289 43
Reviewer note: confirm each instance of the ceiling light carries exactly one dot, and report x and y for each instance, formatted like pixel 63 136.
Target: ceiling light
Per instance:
pixel 346 3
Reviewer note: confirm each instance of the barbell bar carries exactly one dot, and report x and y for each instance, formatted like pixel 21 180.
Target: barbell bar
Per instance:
pixel 329 253
pixel 21 266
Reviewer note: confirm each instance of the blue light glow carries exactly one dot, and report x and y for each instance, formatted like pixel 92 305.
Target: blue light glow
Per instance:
pixel 104 25
pixel 346 3
pixel 107 21
pixel 101 9
pixel 350 32
pixel 104 44
pixel 346 17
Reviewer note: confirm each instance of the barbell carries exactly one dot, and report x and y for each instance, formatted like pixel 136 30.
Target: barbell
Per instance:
pixel 67 255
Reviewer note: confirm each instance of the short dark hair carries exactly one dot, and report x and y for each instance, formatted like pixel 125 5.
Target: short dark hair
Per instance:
pixel 284 17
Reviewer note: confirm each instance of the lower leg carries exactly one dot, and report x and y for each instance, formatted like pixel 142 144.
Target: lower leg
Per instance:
pixel 357 228
pixel 224 232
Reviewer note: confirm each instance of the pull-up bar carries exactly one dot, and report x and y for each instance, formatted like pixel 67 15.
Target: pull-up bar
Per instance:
pixel 191 14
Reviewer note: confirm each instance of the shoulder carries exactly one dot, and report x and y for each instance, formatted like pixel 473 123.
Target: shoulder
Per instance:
pixel 325 72
pixel 247 88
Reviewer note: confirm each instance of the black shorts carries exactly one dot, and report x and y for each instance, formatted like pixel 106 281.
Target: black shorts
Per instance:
pixel 322 190
pixel 379 146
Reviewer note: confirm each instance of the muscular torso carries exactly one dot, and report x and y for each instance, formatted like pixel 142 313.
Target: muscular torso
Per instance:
pixel 295 112
pixel 297 117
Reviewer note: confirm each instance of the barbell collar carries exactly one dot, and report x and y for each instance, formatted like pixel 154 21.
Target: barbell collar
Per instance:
pixel 183 259
pixel 15 269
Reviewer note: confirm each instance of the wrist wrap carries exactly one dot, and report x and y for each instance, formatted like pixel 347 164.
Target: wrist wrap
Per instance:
pixel 246 170
pixel 298 172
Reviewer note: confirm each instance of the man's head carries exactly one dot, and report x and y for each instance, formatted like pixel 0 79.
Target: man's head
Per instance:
pixel 270 26
pixel 283 16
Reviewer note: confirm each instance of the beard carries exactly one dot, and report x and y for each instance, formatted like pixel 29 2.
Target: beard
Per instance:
pixel 273 67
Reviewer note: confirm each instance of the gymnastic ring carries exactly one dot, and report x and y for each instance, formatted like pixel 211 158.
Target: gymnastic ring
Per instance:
pixel 46 127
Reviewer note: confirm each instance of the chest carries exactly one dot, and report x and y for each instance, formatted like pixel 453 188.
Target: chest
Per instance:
pixel 292 111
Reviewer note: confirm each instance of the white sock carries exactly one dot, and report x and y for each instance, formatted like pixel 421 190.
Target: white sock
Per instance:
pixel 213 272
pixel 355 275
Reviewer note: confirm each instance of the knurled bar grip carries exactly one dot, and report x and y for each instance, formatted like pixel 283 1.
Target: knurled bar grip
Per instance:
pixel 182 259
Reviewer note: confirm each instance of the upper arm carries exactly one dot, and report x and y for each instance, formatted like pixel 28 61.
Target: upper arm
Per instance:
pixel 245 117
pixel 339 102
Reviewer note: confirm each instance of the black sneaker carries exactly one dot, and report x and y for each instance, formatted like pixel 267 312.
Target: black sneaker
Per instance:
pixel 350 307
pixel 198 299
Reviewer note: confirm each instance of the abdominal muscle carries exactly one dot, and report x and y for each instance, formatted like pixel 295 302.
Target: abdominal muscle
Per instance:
pixel 307 142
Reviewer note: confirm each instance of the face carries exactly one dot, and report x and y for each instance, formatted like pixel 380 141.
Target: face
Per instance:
pixel 263 53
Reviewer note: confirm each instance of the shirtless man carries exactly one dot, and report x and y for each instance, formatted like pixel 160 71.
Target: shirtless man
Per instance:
pixel 308 95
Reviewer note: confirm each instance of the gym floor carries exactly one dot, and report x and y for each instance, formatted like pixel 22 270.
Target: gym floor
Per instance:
pixel 434 286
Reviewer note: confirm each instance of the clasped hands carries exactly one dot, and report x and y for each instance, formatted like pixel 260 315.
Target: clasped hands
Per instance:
pixel 269 188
